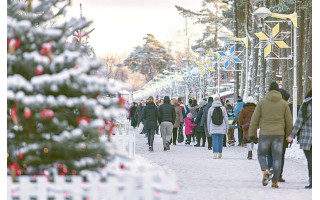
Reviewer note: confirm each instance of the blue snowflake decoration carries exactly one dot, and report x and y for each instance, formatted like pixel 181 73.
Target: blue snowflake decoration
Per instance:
pixel 189 74
pixel 231 57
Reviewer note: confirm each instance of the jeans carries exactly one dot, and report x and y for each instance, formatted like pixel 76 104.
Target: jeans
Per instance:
pixel 217 142
pixel 151 133
pixel 180 130
pixel 276 144
pixel 270 160
pixel 308 154
pixel 166 131
pixel 239 133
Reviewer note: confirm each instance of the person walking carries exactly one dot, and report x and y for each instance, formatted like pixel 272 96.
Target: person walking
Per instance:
pixel 178 120
pixel 217 123
pixel 150 116
pixel 229 108
pixel 167 116
pixel 273 116
pixel 244 122
pixel 188 128
pixel 183 108
pixel 285 96
pixel 237 111
pixel 200 128
pixel 204 122
pixel 194 111
pixel 303 125
pixel 133 117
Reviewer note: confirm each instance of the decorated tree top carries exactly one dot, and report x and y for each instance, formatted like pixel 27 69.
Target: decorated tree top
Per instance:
pixel 58 106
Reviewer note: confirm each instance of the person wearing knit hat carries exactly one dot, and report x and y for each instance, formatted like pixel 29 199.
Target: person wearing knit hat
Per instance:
pixel 272 115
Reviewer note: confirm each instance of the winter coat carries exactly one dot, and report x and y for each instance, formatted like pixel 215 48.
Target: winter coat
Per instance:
pixel 272 115
pixel 188 126
pixel 132 116
pixel 167 112
pixel 238 108
pixel 229 109
pixel 217 129
pixel 194 110
pixel 150 116
pixel 199 128
pixel 179 116
pixel 304 124
pixel 204 118
pixel 138 113
pixel 245 117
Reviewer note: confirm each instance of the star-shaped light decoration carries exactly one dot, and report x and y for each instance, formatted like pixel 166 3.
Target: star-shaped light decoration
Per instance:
pixel 230 57
pixel 189 73
pixel 272 40
pixel 205 66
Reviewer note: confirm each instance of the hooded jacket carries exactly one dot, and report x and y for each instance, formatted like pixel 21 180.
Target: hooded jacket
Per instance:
pixel 272 115
pixel 188 125
pixel 166 111
pixel 217 129
pixel 150 115
pixel 245 117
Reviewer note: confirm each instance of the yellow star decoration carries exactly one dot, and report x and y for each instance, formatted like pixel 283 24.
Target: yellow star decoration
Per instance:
pixel 272 40
pixel 205 66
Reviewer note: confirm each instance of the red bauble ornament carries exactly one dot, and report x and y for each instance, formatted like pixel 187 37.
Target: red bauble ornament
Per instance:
pixel 47 114
pixel 13 45
pixel 20 156
pixel 15 166
pixel 46 48
pixel 38 70
pixel 107 122
pixel 83 120
pixel 122 101
pixel 27 113
pixel 122 166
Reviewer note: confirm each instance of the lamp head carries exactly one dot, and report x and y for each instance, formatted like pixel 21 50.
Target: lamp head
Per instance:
pixel 200 50
pixel 223 37
pixel 262 12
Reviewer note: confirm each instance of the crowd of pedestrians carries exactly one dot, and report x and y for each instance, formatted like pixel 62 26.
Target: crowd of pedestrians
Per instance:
pixel 267 123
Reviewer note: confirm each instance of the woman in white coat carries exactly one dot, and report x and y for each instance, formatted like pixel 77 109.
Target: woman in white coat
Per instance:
pixel 217 126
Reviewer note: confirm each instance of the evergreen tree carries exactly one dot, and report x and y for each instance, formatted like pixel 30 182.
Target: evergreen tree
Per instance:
pixel 56 110
pixel 149 59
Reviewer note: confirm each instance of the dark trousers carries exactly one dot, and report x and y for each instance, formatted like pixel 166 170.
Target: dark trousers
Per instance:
pixel 209 142
pixel 200 135
pixel 151 133
pixel 270 160
pixel 188 138
pixel 180 130
pixel 308 154
pixel 239 133
pixel 174 132
pixel 224 140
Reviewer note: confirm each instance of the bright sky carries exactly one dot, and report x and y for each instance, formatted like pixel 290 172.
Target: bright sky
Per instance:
pixel 120 25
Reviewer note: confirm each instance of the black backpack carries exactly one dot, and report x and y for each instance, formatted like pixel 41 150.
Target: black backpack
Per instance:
pixel 217 116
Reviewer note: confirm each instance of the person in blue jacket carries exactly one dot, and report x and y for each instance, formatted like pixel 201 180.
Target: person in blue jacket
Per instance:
pixel 237 111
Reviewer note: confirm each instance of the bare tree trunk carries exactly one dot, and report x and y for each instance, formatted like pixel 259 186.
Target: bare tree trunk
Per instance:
pixel 308 63
pixel 284 69
pixel 270 72
pixel 300 33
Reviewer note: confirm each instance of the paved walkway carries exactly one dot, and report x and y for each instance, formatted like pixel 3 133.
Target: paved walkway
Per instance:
pixel 232 177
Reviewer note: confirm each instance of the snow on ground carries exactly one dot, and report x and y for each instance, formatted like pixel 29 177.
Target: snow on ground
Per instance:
pixel 232 177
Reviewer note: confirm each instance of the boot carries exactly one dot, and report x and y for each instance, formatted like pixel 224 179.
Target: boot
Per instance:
pixel 265 177
pixel 219 155
pixel 168 146
pixel 198 141
pixel 249 155
pixel 281 179
pixel 150 148
pixel 275 185
pixel 308 186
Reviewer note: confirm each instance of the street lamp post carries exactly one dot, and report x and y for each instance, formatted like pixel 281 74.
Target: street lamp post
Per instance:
pixel 263 12
pixel 202 51
pixel 218 55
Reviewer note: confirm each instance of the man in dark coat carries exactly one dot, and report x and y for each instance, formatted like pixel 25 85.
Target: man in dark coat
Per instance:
pixel 133 116
pixel 167 116
pixel 204 122
pixel 200 129
pixel 150 116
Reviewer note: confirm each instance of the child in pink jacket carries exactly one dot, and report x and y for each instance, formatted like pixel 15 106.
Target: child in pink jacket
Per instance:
pixel 188 128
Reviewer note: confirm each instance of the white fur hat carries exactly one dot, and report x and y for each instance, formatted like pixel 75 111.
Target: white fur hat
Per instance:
pixel 250 99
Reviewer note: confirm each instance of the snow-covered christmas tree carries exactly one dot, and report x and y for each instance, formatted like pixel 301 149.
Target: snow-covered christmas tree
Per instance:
pixel 58 105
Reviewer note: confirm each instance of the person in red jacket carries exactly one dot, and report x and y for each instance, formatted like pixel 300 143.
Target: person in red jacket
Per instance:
pixel 188 128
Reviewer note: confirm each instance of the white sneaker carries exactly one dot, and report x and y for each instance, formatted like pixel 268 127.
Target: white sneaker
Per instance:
pixel 215 155
pixel 219 155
